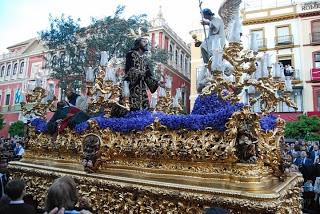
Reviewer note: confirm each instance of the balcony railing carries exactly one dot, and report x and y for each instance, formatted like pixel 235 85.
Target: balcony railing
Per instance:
pixel 315 74
pixel 262 43
pixel 284 40
pixel 315 37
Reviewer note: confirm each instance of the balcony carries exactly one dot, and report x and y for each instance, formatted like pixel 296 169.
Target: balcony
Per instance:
pixel 315 38
pixel 315 74
pixel 262 44
pixel 284 41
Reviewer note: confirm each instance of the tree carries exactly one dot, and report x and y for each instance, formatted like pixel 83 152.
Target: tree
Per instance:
pixel 1 121
pixel 307 128
pixel 17 128
pixel 80 47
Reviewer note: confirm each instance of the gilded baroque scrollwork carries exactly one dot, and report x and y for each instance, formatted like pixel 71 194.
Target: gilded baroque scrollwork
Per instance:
pixel 67 146
pixel 110 196
pixel 39 108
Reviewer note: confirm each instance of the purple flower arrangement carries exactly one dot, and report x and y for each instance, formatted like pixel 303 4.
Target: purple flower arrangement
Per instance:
pixel 39 124
pixel 268 122
pixel 208 112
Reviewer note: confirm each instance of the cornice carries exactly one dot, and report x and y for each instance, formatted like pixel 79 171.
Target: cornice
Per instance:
pixel 269 19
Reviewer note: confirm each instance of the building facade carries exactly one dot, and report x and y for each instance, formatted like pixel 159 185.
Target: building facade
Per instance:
pixel 178 65
pixel 289 31
pixel 285 32
pixel 18 69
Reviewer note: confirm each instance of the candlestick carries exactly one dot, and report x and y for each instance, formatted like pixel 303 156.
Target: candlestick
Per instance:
pixel 162 92
pixel 168 82
pixel 89 74
pixel 125 89
pixel 104 58
pixel 178 93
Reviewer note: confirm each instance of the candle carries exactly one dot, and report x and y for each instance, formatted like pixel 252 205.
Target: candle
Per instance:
pixel 281 70
pixel 89 74
pixel 265 72
pixel 104 58
pixel 110 75
pixel 253 43
pixel 268 60
pixel 277 71
pixel 38 81
pixel 168 82
pixel 178 93
pixel 288 84
pixel 251 90
pixel 125 89
pixel 162 92
pixel 258 72
pixel 31 85
pixel 154 100
pixel 175 102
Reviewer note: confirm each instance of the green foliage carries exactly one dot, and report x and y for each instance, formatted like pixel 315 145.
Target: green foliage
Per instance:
pixel 307 128
pixel 17 128
pixel 1 121
pixel 82 46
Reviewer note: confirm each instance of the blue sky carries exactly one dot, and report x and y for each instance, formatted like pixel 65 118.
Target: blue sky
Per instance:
pixel 22 19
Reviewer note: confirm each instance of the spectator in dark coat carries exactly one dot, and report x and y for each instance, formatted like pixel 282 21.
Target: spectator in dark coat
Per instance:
pixel 15 190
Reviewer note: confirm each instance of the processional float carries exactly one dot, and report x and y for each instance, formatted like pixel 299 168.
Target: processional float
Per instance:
pixel 221 155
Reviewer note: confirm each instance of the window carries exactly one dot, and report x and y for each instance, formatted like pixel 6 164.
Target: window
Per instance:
pixel 21 68
pixel 283 36
pixel 15 67
pixel 181 61
pixel 176 57
pixel 186 65
pixel 54 61
pixel 316 58
pixel 259 33
pixel 62 59
pixel 171 52
pixel 2 71
pixel 18 96
pixel 7 100
pixel 8 70
pixel 315 31
pixel 286 60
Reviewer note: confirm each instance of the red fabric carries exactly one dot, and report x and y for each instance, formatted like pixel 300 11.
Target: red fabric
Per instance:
pixel 315 74
pixel 64 122
pixel 313 113
pixel 288 116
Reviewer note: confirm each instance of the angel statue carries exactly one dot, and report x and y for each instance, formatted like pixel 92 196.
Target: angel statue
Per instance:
pixel 219 29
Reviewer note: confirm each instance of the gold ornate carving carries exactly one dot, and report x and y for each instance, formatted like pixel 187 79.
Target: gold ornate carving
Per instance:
pixel 39 108
pixel 105 94
pixel 112 194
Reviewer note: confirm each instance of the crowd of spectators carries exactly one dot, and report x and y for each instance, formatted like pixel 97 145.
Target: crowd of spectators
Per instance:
pixel 304 156
pixel 62 197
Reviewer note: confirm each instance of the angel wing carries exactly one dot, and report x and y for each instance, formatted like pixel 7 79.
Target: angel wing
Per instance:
pixel 228 11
